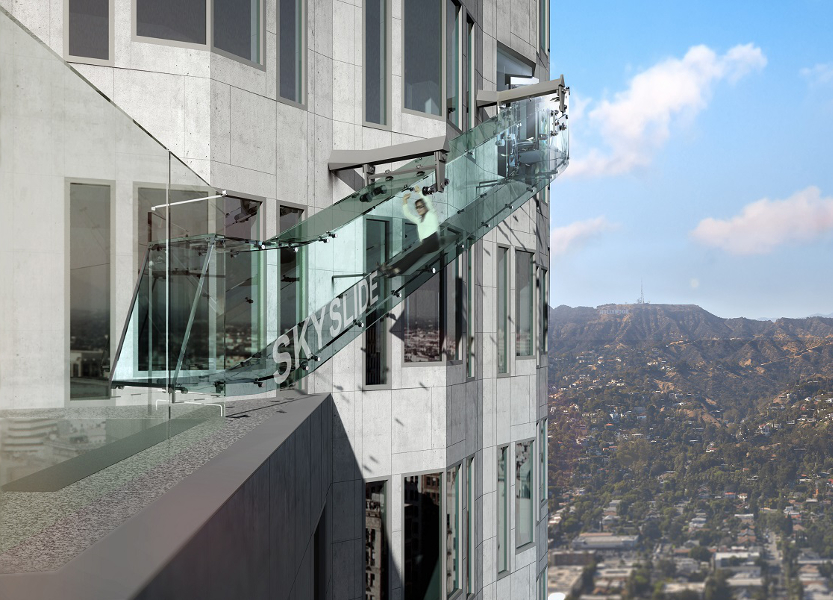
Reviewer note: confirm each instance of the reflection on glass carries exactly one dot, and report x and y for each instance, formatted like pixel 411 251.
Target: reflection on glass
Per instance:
pixel 237 28
pixel 470 526
pixel 290 286
pixel 455 314
pixel 542 459
pixel 89 28
pixel 421 532
pixel 502 309
pixel 502 510
pixel 376 61
pixel 471 84
pixel 523 303
pixel 423 55
pixel 543 26
pixel 292 22
pixel 452 65
pixel 375 541
pixel 469 321
pixel 452 531
pixel 423 326
pixel 524 517
pixel 545 312
pixel 376 355
pixel 181 21
pixel 89 290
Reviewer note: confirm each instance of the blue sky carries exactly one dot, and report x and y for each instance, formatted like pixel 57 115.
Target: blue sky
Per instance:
pixel 701 155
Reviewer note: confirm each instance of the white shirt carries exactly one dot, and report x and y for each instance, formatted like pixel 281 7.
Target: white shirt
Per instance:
pixel 427 225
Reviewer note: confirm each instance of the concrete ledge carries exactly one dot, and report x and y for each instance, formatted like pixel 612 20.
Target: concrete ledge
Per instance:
pixel 128 560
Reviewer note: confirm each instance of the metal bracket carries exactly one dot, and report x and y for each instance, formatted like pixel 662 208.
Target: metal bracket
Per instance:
pixel 368 160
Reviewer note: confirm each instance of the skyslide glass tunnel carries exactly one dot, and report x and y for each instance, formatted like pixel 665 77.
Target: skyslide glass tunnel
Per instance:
pixel 231 316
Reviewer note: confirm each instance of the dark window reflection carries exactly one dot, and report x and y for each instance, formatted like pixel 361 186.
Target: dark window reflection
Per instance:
pixel 524 517
pixel 422 536
pixel 89 28
pixel 89 290
pixel 237 28
pixel 180 21
pixel 375 56
pixel 423 55
pixel 502 308
pixel 375 541
pixel 523 303
pixel 423 323
pixel 376 253
pixel 292 24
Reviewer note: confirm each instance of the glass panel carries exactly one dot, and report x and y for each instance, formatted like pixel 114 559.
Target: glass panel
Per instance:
pixel 470 526
pixel 543 25
pixel 375 540
pixel 454 310
pixel 421 532
pixel 502 309
pixel 452 531
pixel 180 21
pixel 510 65
pixel 471 81
pixel 524 517
pixel 452 62
pixel 89 291
pixel 237 28
pixel 524 299
pixel 470 321
pixel 89 28
pixel 423 56
pixel 502 510
pixel 376 61
pixel 376 338
pixel 423 323
pixel 542 460
pixel 292 23
pixel 545 312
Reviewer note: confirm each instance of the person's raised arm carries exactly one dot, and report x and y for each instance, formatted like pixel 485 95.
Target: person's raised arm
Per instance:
pixel 406 210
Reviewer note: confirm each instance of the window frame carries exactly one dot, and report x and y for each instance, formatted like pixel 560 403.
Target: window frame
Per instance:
pixel 388 342
pixel 387 523
pixel 543 28
pixel 471 67
pixel 459 500
pixel 387 126
pixel 442 274
pixel 526 545
pixel 304 66
pixel 507 567
pixel 470 502
pixel 531 307
pixel 461 16
pixel 262 35
pixel 441 532
pixel 111 39
pixel 471 314
pixel 543 456
pixel 506 319
pixel 411 111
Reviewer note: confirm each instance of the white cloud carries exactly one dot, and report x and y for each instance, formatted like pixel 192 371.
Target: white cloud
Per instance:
pixel 819 74
pixel 766 224
pixel 569 237
pixel 636 123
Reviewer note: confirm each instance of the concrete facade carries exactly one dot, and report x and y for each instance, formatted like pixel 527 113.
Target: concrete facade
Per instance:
pixel 224 119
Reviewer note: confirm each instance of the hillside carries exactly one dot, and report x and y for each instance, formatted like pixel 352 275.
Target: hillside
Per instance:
pixel 653 353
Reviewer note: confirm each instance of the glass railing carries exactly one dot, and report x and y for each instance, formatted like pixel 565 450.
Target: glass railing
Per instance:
pixel 246 317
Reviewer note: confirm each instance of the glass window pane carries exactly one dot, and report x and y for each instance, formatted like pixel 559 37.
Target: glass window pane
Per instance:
pixel 452 531
pixel 502 308
pixel 377 252
pixel 542 459
pixel 423 56
pixel 470 526
pixel 543 25
pixel 545 317
pixel 180 21
pixel 290 296
pixel 422 527
pixel 502 510
pixel 375 540
pixel 89 28
pixel 89 291
pixel 423 323
pixel 469 321
pixel 471 84
pixel 452 64
pixel 376 61
pixel 524 517
pixel 523 303
pixel 237 28
pixel 510 65
pixel 292 25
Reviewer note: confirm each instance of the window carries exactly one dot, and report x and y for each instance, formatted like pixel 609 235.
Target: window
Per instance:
pixel 422 61
pixel 290 291
pixel 524 299
pixel 471 83
pixel 509 65
pixel 423 323
pixel 545 310
pixel 453 55
pixel 544 26
pixel 470 526
pixel 542 460
pixel 455 326
pixel 375 540
pixel 292 36
pixel 376 340
pixel 502 509
pixel 180 21
pixel 237 26
pixel 502 309
pixel 376 44
pixel 88 29
pixel 453 502
pixel 524 517
pixel 469 321
pixel 421 533
pixel 542 584
pixel 89 291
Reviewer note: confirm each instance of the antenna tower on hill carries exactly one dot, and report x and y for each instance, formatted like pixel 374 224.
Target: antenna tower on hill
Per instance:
pixel 641 299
